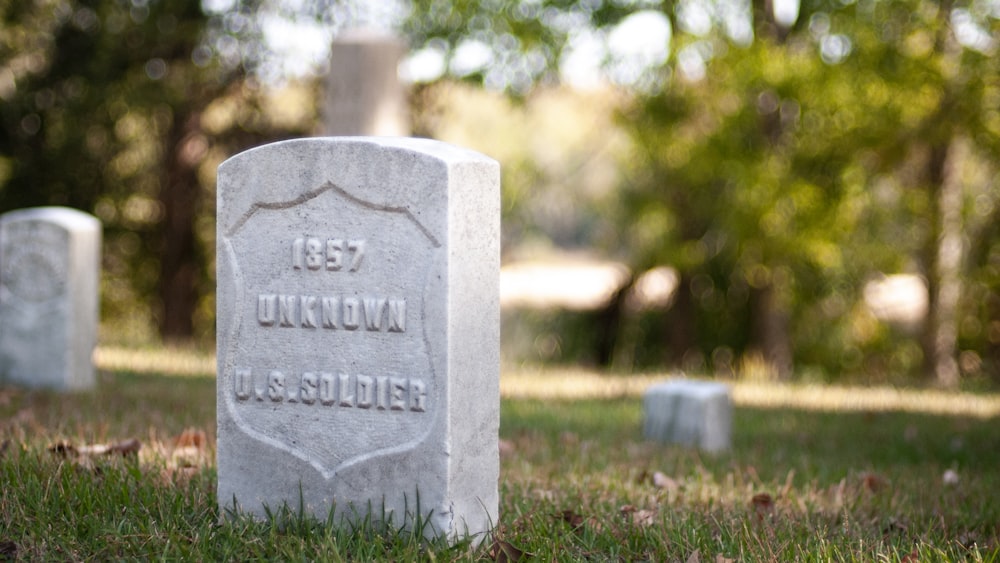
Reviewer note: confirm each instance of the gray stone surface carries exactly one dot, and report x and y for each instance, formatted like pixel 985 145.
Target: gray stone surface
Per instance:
pixel 363 94
pixel 358 331
pixel 50 259
pixel 689 413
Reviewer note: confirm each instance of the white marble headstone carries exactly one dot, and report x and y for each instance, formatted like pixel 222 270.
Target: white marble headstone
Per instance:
pixel 689 413
pixel 358 331
pixel 49 297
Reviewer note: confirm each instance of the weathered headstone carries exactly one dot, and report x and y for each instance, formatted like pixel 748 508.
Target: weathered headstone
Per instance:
pixel 363 94
pixel 358 332
pixel 689 413
pixel 49 297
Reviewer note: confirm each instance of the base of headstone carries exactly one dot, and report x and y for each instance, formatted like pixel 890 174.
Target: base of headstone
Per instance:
pixel 689 413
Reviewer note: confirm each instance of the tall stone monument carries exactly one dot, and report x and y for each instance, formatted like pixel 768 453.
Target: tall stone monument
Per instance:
pixel 50 259
pixel 363 94
pixel 358 332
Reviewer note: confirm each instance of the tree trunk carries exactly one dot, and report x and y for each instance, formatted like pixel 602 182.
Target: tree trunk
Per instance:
pixel 942 265
pixel 179 194
pixel 769 324
pixel 681 324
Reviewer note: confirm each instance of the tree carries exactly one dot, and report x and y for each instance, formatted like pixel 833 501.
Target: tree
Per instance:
pixel 104 105
pixel 779 165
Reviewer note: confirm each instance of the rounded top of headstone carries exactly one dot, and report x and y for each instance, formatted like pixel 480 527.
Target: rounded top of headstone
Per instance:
pixel 368 35
pixel 689 387
pixel 438 150
pixel 66 217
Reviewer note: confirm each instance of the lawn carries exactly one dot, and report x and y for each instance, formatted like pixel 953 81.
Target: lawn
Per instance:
pixel 815 474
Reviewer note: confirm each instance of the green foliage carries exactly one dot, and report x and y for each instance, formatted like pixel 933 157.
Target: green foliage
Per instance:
pixel 104 107
pixel 781 173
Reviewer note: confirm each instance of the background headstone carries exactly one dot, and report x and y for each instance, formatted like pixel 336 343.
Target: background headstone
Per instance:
pixel 363 92
pixel 689 413
pixel 358 331
pixel 50 259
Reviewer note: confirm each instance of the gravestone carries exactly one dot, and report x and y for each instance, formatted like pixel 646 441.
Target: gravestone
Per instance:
pixel 689 413
pixel 363 95
pixel 49 296
pixel 358 332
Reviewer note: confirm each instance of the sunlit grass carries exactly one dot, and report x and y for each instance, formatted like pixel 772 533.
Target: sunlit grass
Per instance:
pixel 814 474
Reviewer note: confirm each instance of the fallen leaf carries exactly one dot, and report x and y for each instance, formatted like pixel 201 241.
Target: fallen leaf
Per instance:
pixel 662 481
pixel 63 449
pixel 643 518
pixel 574 520
pixel 191 437
pixel 124 448
pixel 873 482
pixel 8 551
pixel 723 559
pixel 763 505
pixel 189 449
pixel 694 557
pixel 911 557
pixel 503 552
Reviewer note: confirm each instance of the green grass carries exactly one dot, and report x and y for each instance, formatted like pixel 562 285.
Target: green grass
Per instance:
pixel 577 483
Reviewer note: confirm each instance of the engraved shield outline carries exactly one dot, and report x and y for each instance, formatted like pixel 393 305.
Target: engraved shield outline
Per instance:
pixel 236 328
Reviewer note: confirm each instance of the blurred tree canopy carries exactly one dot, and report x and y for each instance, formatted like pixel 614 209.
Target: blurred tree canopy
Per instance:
pixel 122 108
pixel 784 155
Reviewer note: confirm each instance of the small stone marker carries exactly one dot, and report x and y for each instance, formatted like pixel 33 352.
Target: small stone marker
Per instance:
pixel 358 332
pixel 690 413
pixel 50 259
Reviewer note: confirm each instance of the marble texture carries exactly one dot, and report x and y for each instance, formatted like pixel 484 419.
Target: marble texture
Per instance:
pixel 50 260
pixel 689 413
pixel 358 331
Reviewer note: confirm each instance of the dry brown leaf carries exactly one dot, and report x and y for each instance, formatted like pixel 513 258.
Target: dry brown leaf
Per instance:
pixel 641 518
pixel 873 483
pixel 123 448
pixel 763 505
pixel 644 518
pixel 574 520
pixel 662 481
pixel 723 559
pixel 695 557
pixel 503 552
pixel 63 449
pixel 189 449
pixel 911 557
pixel 8 551
pixel 191 438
